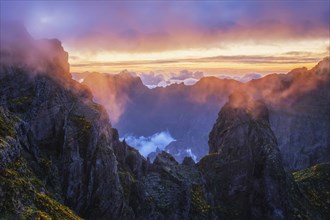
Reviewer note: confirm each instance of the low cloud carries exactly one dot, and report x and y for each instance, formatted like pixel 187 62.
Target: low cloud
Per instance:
pixel 246 78
pixel 187 77
pixel 149 144
pixel 151 79
pixel 185 74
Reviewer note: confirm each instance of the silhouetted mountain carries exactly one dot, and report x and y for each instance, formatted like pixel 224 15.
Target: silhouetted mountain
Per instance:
pixel 298 103
pixel 242 142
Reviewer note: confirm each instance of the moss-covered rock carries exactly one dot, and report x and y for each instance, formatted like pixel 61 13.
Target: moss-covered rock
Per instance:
pixel 24 196
pixel 7 124
pixel 314 183
pixel 200 209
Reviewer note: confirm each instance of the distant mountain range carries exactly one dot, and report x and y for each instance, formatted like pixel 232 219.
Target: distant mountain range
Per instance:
pixel 298 101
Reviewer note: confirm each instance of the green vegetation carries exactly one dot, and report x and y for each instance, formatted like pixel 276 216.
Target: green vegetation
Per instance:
pixel 126 180
pixel 82 123
pixel 7 125
pixel 200 209
pixel 314 184
pixel 25 196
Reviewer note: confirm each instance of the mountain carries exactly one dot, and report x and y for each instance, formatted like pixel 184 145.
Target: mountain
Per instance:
pixel 187 112
pixel 246 162
pixel 299 113
pixel 62 159
pixel 298 104
pixel 63 140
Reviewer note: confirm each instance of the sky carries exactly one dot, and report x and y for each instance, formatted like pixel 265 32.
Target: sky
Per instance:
pixel 165 37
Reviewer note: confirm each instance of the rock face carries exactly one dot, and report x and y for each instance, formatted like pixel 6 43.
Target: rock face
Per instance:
pixel 65 128
pixel 169 188
pixel 314 184
pixel 298 104
pixel 245 162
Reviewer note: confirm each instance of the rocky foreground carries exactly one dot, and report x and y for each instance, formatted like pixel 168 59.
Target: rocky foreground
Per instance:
pixel 61 158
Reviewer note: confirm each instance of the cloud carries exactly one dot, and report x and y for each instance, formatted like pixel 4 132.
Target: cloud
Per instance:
pixel 111 91
pixel 185 74
pixel 191 154
pixel 293 57
pixel 18 48
pixel 149 144
pixel 246 78
pixel 190 81
pixel 158 25
pixel 187 77
pixel 151 79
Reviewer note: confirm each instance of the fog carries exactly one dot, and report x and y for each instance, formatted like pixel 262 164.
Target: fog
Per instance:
pixel 149 144
pixel 19 49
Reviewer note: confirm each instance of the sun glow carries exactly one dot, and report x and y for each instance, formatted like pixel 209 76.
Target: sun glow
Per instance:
pixel 234 57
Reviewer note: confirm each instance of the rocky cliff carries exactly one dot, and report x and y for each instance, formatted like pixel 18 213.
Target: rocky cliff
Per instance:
pixel 299 105
pixel 247 163
pixel 65 138
pixel 244 173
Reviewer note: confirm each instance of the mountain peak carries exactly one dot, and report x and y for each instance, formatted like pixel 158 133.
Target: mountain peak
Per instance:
pixel 242 141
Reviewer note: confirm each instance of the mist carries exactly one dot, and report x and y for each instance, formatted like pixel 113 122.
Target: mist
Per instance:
pixel 149 144
pixel 18 48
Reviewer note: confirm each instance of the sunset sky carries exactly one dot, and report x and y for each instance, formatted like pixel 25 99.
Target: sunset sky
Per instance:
pixel 214 37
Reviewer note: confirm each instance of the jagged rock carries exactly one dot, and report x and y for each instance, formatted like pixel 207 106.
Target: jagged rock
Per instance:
pixel 188 161
pixel 167 190
pixel 244 173
pixel 165 160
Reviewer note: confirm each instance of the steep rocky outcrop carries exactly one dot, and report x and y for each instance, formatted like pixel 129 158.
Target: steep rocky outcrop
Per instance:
pixel 23 194
pixel 244 171
pixel 299 106
pixel 174 191
pixel 63 128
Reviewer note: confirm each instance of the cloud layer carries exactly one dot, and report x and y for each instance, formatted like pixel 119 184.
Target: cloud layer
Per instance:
pixel 215 37
pixel 166 25
pixel 149 144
